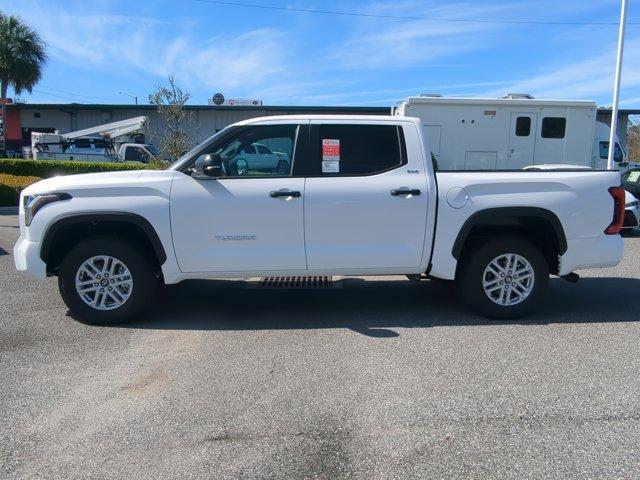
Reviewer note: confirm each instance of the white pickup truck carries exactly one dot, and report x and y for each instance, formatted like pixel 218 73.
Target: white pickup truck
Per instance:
pixel 359 197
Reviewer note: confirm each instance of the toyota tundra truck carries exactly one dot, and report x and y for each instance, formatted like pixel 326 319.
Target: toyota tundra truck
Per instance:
pixel 360 195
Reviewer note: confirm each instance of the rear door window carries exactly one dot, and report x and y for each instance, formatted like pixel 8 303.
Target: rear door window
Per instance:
pixel 356 150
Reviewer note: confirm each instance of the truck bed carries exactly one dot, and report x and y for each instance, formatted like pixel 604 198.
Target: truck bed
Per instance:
pixel 578 198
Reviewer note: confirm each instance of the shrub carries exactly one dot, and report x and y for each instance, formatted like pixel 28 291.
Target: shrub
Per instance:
pixel 11 186
pixel 51 168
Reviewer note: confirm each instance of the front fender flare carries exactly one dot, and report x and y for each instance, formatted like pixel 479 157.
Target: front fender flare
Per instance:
pixel 94 219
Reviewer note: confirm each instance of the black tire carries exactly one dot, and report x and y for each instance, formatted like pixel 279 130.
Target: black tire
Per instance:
pixel 470 277
pixel 141 268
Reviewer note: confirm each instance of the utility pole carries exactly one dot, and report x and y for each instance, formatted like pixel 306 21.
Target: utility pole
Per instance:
pixel 616 86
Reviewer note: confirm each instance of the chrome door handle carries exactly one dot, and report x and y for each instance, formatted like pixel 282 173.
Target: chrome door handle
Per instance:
pixel 285 193
pixel 396 192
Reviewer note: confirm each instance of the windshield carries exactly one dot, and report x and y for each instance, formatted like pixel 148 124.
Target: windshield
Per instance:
pixel 617 154
pixel 193 153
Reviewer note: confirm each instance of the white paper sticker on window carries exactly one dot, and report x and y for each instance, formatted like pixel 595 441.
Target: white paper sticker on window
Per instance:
pixel 330 166
pixel 331 149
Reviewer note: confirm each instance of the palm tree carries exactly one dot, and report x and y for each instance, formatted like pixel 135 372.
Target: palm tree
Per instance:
pixel 22 56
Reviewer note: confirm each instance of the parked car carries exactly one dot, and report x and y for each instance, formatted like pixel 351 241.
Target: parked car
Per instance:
pixel 361 198
pixel 255 157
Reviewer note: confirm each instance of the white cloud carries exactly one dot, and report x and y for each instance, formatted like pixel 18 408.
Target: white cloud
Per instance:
pixel 588 78
pixel 118 43
pixel 389 96
pixel 411 43
pixel 375 43
pixel 370 61
pixel 244 61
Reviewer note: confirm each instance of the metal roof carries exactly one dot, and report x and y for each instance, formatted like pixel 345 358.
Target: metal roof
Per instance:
pixel 226 108
pixel 220 108
pixel 621 111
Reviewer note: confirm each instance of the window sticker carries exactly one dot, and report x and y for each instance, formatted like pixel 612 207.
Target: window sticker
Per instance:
pixel 330 149
pixel 330 166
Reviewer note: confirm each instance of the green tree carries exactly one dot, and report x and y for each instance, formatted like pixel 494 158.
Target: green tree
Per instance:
pixel 22 57
pixel 633 139
pixel 174 137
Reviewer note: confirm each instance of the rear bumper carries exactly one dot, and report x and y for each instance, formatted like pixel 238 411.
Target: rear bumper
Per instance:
pixel 26 256
pixel 597 252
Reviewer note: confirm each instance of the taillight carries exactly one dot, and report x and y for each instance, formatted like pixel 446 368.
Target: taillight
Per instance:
pixel 618 211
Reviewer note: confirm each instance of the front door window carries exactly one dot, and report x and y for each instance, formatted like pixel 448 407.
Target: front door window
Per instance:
pixel 261 151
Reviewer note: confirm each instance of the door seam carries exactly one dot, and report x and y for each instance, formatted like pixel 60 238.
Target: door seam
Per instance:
pixel 304 223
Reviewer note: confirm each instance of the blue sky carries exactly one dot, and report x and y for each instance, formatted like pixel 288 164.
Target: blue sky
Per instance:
pixel 100 48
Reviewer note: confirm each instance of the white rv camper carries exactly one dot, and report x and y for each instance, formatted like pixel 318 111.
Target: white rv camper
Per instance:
pixel 511 132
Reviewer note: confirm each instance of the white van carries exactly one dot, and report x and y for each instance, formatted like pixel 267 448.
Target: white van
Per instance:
pixel 511 132
pixel 600 150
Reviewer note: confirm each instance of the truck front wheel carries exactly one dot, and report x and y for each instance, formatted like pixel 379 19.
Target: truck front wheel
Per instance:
pixel 106 280
pixel 503 278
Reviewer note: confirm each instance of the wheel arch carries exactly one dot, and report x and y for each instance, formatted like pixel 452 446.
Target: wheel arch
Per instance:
pixel 69 230
pixel 540 224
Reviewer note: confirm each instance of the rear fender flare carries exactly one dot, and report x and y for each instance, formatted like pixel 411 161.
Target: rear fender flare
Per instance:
pixel 496 216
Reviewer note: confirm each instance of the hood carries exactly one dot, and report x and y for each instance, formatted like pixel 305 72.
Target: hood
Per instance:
pixel 89 181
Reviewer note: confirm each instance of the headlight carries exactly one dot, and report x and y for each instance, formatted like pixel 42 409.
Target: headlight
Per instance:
pixel 33 203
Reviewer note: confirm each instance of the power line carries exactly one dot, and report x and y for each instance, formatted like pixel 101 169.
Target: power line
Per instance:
pixel 62 96
pixel 404 17
pixel 78 94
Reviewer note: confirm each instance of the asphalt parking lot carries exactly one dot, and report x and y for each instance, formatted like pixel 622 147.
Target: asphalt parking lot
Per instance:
pixel 370 379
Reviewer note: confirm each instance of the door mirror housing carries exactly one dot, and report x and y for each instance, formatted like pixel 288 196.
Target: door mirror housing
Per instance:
pixel 212 165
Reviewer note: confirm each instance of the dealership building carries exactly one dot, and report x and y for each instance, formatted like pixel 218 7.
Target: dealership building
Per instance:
pixel 205 120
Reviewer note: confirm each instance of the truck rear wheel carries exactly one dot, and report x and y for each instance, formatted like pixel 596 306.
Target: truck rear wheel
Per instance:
pixel 503 278
pixel 106 280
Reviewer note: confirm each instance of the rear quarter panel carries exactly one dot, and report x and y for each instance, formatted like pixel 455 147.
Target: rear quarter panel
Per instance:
pixel 580 200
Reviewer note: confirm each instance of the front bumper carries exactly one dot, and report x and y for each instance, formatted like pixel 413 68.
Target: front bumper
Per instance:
pixel 26 256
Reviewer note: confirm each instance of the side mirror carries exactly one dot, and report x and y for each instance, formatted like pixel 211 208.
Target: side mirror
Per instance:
pixel 212 165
